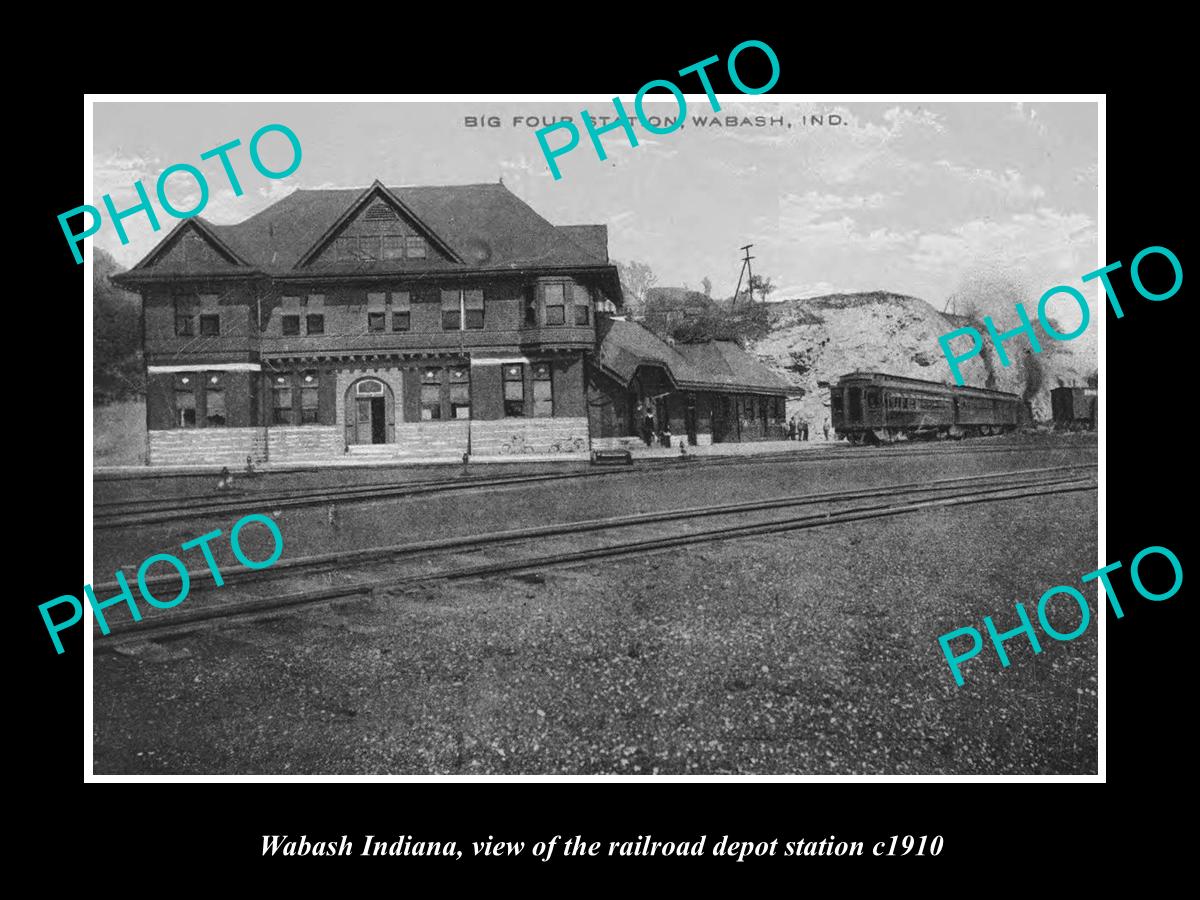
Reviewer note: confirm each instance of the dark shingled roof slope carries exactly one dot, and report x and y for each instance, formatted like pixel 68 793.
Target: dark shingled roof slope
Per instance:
pixel 485 224
pixel 715 365
pixel 592 238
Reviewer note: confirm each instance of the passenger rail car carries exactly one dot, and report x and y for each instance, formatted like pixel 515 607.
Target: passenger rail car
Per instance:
pixel 875 407
pixel 1073 408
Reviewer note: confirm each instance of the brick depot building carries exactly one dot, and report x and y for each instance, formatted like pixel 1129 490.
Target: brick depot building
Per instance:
pixel 413 322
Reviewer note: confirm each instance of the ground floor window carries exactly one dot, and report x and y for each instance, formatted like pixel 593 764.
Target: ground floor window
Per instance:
pixel 281 400
pixel 310 395
pixel 543 390
pixel 514 390
pixel 460 393
pixel 185 400
pixel 431 393
pixel 214 399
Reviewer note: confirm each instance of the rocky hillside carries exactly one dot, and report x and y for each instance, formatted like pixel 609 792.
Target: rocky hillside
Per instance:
pixel 820 339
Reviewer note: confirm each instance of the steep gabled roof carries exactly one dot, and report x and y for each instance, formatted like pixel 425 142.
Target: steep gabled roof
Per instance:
pixel 479 225
pixel 714 365
pixel 592 238
pixel 207 232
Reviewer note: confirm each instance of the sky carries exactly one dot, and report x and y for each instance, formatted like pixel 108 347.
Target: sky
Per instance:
pixel 932 200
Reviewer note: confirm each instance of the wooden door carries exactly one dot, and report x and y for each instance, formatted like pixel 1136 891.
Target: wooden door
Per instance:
pixel 363 421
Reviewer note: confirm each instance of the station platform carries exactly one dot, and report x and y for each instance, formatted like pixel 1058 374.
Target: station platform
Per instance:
pixel 638 451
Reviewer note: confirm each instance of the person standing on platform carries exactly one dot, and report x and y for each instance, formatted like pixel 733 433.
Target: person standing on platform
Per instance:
pixel 792 428
pixel 648 429
pixel 826 429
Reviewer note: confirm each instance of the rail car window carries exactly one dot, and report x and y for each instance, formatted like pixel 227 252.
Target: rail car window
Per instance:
pixel 872 399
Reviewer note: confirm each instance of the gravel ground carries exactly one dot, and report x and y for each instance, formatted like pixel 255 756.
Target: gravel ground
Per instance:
pixel 810 652
pixel 322 529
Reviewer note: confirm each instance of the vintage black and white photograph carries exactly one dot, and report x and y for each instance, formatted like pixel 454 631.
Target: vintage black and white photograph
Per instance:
pixel 411 458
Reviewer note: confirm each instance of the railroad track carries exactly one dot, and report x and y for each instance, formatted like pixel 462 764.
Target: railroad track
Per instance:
pixel 407 566
pixel 133 513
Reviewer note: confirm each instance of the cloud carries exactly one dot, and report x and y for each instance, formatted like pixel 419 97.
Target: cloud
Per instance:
pixel 1010 184
pixel 119 170
pixel 800 291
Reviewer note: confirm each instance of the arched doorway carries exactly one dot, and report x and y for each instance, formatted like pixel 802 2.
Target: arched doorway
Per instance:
pixel 370 412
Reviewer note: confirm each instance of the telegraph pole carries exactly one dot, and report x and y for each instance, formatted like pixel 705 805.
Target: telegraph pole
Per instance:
pixel 746 270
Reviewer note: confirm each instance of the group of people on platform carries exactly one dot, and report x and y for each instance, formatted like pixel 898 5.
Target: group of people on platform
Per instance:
pixel 651 435
pixel 798 429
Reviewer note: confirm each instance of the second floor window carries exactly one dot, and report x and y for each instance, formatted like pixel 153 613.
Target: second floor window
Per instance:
pixel 451 317
pixel 583 305
pixel 314 314
pixel 473 304
pixel 531 306
pixel 210 315
pixel 376 312
pixel 185 312
pixel 553 301
pixel 289 320
pixel 401 311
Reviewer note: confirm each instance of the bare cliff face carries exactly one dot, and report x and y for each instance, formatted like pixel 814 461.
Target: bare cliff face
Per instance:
pixel 819 339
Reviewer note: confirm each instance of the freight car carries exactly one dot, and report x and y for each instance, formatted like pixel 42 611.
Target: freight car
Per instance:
pixel 876 407
pixel 1073 408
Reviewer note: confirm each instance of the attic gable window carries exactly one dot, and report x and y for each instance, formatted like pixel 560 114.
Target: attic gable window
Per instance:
pixel 380 210
pixel 393 246
pixel 416 246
